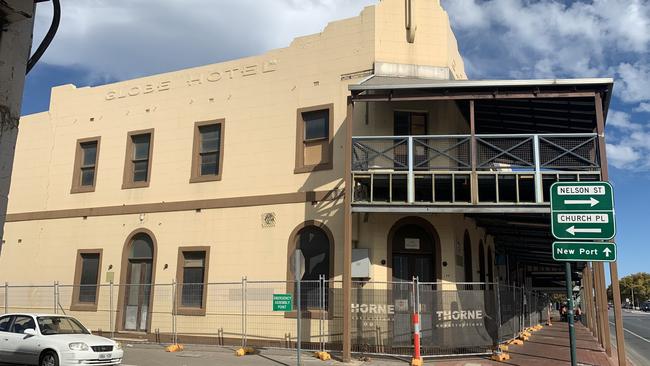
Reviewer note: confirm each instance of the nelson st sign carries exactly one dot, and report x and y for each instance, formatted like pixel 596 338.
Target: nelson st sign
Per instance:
pixel 583 211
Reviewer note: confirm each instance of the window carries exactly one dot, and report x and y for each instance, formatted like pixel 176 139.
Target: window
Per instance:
pixel 314 241
pixel 137 165
pixel 192 274
pixel 207 153
pixel 22 322
pixel 85 165
pixel 5 321
pixel 87 276
pixel 314 138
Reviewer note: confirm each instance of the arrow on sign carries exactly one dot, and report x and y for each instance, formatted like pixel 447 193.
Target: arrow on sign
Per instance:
pixel 607 251
pixel 573 230
pixel 591 201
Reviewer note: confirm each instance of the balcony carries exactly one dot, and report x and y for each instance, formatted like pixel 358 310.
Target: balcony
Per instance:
pixel 458 170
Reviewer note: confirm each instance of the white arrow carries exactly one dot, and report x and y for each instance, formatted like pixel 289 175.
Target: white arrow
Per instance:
pixel 607 251
pixel 573 230
pixel 591 201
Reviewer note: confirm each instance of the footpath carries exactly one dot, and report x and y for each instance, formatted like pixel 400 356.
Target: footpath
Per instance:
pixel 546 346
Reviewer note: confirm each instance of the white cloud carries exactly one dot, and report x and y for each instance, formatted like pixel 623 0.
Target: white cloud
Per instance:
pixel 643 107
pixel 622 156
pixel 635 82
pixel 547 38
pixel 622 121
pixel 125 39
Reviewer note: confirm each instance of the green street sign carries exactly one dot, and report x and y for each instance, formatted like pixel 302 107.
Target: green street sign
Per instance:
pixel 282 302
pixel 584 251
pixel 582 210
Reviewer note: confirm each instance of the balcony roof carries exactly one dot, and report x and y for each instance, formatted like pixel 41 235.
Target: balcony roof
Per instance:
pixel 544 105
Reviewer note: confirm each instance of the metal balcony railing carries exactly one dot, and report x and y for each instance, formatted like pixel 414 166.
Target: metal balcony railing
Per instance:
pixel 505 169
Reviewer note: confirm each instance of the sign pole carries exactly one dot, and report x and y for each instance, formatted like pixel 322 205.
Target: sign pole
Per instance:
pixel 298 300
pixel 569 294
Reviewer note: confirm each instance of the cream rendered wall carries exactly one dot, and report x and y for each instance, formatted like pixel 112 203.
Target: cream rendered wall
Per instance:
pixel 258 97
pixel 239 244
pixel 372 233
pixel 434 44
pixel 444 117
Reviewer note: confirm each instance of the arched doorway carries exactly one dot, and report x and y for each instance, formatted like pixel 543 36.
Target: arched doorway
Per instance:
pixel 137 277
pixel 490 265
pixel 414 250
pixel 316 243
pixel 467 257
pixel 481 261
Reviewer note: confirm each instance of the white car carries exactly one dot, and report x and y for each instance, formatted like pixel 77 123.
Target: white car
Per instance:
pixel 53 340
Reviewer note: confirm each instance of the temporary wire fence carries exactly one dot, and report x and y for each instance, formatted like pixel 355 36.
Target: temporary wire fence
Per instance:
pixel 455 318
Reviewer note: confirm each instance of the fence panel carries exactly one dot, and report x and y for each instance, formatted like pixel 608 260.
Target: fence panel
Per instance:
pixel 31 299
pixel 90 304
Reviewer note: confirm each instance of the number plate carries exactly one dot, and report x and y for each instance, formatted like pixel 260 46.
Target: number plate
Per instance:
pixel 105 356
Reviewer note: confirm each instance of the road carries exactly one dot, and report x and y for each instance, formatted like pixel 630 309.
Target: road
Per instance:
pixel 636 327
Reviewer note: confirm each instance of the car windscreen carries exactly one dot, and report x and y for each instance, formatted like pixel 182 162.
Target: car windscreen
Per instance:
pixel 50 325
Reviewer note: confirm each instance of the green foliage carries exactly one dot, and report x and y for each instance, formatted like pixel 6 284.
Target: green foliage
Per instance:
pixel 639 282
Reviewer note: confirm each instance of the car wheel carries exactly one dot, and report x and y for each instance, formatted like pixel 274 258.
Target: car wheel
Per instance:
pixel 49 358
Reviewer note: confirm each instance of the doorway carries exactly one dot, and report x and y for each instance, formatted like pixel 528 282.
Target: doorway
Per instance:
pixel 414 250
pixel 138 282
pixel 413 254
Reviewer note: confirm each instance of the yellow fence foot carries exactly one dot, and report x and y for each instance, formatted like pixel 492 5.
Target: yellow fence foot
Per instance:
pixel 174 348
pixel 240 352
pixel 323 356
pixel 503 347
pixel 500 357
pixel 517 342
pixel 416 362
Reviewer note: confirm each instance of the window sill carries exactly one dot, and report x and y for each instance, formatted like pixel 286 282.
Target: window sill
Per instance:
pixel 83 307
pixel 205 178
pixel 191 311
pixel 313 168
pixel 82 189
pixel 135 185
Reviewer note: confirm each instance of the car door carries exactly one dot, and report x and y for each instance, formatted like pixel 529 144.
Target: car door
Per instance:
pixel 21 347
pixel 5 323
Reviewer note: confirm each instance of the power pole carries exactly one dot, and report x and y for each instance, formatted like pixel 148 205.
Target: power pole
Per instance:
pixel 16 27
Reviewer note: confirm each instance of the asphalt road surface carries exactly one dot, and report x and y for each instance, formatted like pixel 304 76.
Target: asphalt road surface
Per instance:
pixel 636 327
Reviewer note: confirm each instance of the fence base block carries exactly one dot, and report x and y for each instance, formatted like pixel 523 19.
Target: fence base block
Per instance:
pixel 323 356
pixel 416 362
pixel 500 357
pixel 517 342
pixel 503 348
pixel 174 348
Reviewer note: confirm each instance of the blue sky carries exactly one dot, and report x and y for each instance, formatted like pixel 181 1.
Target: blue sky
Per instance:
pixel 101 41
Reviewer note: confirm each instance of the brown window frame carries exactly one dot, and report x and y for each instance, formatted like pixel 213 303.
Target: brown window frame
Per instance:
pixel 185 310
pixel 76 174
pixel 301 142
pixel 76 305
pixel 195 174
pixel 127 180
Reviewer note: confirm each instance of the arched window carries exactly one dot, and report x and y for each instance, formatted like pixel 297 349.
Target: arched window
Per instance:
pixel 315 247
pixel 315 242
pixel 141 247
pixel 467 254
pixel 490 265
pixel 481 261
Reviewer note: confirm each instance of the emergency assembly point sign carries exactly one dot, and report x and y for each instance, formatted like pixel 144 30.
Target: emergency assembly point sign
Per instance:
pixel 582 210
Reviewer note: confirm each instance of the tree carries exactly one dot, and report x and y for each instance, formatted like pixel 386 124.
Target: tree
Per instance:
pixel 637 282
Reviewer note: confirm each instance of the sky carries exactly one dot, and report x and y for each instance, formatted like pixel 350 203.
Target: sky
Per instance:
pixel 102 41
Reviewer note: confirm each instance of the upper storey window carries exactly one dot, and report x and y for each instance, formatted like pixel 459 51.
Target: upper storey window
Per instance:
pixel 137 167
pixel 314 138
pixel 207 153
pixel 85 165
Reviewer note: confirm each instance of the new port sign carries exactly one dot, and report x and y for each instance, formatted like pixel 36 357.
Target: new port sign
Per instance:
pixel 584 251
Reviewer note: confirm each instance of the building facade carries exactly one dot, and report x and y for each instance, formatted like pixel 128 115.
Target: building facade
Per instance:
pixel 359 145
